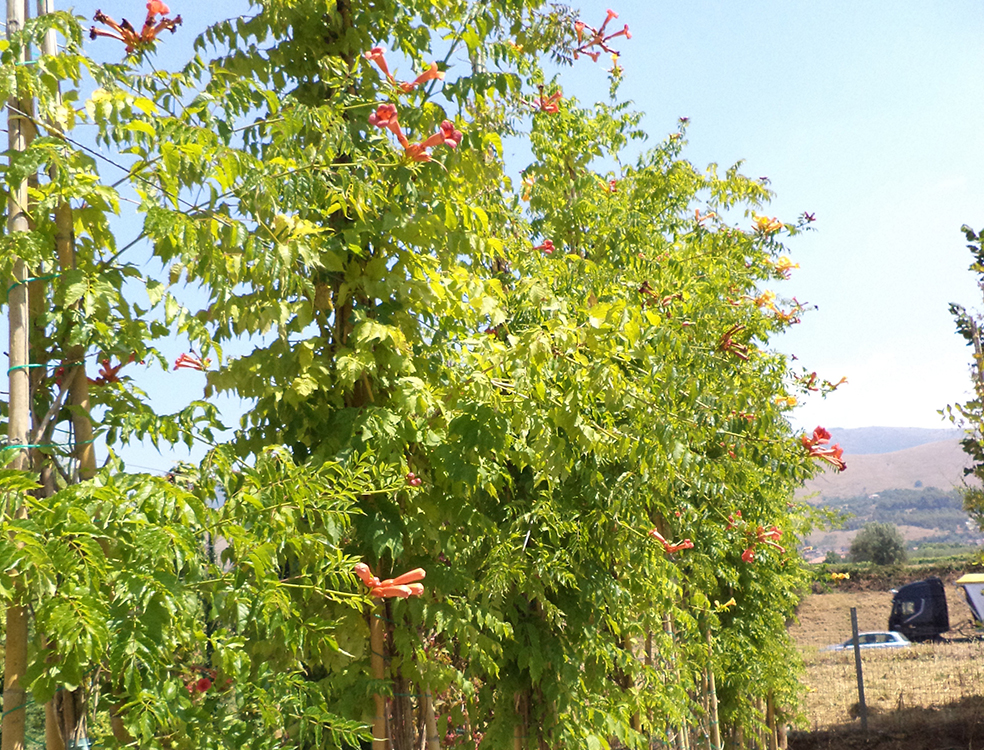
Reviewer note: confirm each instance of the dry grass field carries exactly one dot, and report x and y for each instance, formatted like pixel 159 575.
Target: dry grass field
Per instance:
pixel 926 696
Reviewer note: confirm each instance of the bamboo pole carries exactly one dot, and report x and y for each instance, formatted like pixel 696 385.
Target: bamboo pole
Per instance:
pixel 430 722
pixel 770 721
pixel 74 357
pixel 378 665
pixel 682 739
pixel 64 714
pixel 629 681
pixel 19 410
pixel 713 699
pixel 760 734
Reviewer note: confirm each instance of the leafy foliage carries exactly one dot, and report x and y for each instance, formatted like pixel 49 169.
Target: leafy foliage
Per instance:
pixel 971 414
pixel 567 365
pixel 144 586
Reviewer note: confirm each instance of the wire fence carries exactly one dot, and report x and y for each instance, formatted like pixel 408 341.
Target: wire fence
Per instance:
pixel 933 676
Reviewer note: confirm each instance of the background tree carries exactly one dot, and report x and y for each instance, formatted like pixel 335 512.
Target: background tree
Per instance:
pixel 878 543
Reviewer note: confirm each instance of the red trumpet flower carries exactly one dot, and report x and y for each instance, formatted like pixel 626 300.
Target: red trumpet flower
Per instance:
pixel 447 135
pixel 191 362
pixel 820 436
pixel 110 373
pixel 386 117
pixel 833 456
pixel 549 104
pixel 377 55
pixel 432 73
pixel 728 344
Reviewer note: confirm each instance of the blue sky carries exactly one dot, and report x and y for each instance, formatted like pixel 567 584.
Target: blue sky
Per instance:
pixel 867 114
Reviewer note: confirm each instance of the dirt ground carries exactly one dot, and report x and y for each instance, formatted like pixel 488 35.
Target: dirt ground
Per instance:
pixel 925 697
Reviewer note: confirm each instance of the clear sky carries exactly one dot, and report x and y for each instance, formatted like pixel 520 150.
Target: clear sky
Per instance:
pixel 870 115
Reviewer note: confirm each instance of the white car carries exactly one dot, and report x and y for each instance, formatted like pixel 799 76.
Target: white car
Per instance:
pixel 879 639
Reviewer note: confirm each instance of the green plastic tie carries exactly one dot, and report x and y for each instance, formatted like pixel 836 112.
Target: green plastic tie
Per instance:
pixel 29 279
pixel 48 445
pixel 23 367
pixel 23 705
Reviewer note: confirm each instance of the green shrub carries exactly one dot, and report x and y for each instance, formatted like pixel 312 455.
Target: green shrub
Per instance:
pixel 878 543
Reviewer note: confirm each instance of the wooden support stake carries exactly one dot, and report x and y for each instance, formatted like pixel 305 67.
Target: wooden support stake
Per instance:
pixel 715 726
pixel 858 671
pixel 19 410
pixel 760 733
pixel 430 723
pixel 770 721
pixel 377 663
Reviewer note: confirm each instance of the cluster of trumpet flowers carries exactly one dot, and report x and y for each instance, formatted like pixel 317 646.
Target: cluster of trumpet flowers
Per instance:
pixel 133 39
pixel 386 117
pixel 109 373
pixel 403 586
pixel 784 266
pixel 592 42
pixel 549 104
pixel 754 536
pixel 816 445
pixel 765 225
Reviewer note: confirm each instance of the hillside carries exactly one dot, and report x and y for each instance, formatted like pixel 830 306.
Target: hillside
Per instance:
pixel 867 440
pixel 907 476
pixel 938 464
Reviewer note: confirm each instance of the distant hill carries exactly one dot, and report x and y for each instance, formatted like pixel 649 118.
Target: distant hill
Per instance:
pixel 868 440
pixel 939 464
pixel 930 458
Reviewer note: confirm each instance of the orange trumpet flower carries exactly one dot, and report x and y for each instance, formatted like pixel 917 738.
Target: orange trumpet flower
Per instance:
pixel 402 586
pixel 670 547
